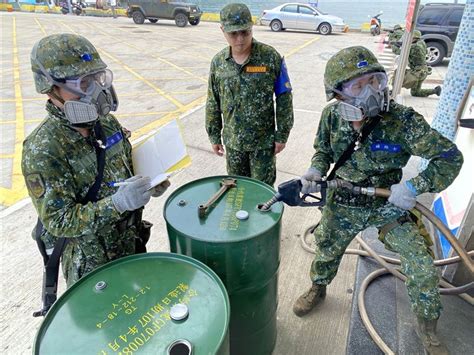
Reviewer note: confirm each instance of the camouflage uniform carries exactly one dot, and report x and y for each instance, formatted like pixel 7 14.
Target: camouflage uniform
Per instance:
pixel 401 133
pixel 240 110
pixel 60 165
pixel 394 39
pixel 419 69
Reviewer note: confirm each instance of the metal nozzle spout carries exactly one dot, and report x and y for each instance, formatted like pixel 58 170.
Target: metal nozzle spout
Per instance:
pixel 265 207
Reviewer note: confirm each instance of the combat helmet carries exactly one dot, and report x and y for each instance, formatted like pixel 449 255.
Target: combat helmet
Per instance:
pixel 397 27
pixel 348 64
pixel 416 35
pixel 63 56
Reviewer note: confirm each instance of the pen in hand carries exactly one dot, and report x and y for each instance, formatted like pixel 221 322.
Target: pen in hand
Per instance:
pixel 118 184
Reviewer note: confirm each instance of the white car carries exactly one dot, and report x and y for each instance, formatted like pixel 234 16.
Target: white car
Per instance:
pixel 301 17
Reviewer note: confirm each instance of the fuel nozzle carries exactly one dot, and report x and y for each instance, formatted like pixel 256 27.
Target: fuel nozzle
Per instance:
pixel 289 192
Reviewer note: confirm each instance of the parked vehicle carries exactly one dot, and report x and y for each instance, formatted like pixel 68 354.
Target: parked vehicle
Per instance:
pixel 153 10
pixel 77 8
pixel 439 25
pixel 376 24
pixel 301 17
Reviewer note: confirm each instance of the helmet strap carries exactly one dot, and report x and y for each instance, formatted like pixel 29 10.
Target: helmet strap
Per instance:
pixel 55 96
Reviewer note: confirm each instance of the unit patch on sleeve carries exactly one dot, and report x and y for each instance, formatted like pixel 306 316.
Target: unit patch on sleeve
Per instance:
pixel 35 184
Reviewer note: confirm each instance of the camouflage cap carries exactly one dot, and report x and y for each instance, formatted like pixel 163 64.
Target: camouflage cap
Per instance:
pixel 63 56
pixel 397 27
pixel 348 64
pixel 236 17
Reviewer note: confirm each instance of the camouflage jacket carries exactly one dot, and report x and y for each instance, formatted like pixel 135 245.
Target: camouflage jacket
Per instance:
pixel 240 104
pixel 395 36
pixel 59 166
pixel 401 133
pixel 417 56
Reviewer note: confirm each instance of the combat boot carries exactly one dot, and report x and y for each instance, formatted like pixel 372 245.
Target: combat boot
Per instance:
pixel 308 300
pixel 437 90
pixel 426 331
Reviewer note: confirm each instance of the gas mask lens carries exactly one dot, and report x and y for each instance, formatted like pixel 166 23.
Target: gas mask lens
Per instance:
pixel 355 87
pixel 84 84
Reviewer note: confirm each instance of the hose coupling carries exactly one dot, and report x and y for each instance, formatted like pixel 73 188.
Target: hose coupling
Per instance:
pixel 369 191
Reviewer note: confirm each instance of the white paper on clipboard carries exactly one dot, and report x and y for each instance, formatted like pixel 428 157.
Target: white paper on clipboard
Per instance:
pixel 161 154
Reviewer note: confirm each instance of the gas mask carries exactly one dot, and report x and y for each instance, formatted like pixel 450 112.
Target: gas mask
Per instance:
pixel 363 97
pixel 97 97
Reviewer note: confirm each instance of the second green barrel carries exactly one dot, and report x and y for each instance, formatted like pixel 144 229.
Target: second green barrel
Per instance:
pixel 241 244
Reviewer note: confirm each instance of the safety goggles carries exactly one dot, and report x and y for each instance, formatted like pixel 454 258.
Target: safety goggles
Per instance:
pixel 353 88
pixel 83 84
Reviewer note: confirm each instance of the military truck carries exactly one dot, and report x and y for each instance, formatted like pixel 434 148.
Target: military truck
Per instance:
pixel 153 10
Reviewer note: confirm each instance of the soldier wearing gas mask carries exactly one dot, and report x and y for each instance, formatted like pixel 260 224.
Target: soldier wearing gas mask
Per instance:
pixel 70 160
pixel 359 83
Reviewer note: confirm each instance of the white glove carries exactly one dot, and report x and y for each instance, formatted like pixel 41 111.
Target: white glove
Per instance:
pixel 309 181
pixel 403 195
pixel 132 196
pixel 160 189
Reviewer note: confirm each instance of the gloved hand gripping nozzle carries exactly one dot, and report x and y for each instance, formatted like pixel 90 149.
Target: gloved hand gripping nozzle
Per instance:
pixel 289 192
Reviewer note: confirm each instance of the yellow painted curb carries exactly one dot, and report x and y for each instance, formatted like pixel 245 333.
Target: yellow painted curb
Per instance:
pixel 6 7
pixel 41 9
pixel 365 27
pixel 27 8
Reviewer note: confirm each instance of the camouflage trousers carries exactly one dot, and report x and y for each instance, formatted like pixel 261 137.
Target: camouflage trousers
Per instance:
pixel 417 91
pixel 257 164
pixel 83 255
pixel 413 80
pixel 340 224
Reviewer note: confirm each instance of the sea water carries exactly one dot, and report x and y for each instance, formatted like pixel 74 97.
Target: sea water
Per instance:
pixel 354 12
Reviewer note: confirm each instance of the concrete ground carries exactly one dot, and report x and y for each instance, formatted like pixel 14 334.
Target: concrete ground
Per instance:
pixel 160 74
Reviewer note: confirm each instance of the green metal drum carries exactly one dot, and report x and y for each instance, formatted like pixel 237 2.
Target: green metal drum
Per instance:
pixel 155 303
pixel 245 253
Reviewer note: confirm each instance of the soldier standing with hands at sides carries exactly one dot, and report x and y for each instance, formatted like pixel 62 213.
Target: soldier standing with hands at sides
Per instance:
pixel 240 111
pixel 71 159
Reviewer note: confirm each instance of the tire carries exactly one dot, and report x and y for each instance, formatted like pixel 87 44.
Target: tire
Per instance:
pixel 181 20
pixel 195 22
pixel 276 26
pixel 325 29
pixel 153 20
pixel 138 17
pixel 436 53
